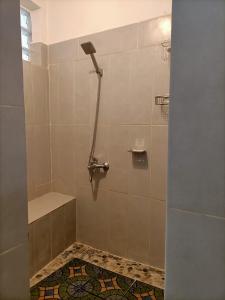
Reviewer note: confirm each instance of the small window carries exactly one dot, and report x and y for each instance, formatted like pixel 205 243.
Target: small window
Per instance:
pixel 26 33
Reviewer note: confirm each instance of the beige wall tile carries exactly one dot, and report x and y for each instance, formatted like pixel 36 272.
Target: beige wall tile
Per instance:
pixel 62 93
pixel 161 86
pixel 157 218
pixel 92 217
pixel 58 231
pixel 42 189
pixel 38 160
pixel 70 223
pixel 139 222
pixel 151 33
pixel 36 98
pixel 36 90
pixel 139 182
pixel 82 145
pixel 82 177
pixel 118 146
pixel 118 99
pixel 42 154
pixel 63 159
pixel 139 104
pixel 83 91
pixel 42 242
pixel 63 51
pixel 40 90
pixel 117 179
pixel 158 162
pixel 118 223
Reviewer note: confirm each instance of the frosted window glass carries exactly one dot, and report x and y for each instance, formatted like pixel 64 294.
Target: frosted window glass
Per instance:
pixel 26 33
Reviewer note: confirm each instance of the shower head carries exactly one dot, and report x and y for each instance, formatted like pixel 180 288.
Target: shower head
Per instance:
pixel 88 48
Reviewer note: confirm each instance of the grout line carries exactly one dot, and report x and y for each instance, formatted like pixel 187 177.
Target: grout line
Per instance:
pixel 13 248
pixel 12 106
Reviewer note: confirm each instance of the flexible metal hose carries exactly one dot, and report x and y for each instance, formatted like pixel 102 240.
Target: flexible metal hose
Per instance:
pixel 92 151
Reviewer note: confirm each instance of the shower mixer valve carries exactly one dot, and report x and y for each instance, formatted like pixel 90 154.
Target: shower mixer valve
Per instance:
pixel 95 165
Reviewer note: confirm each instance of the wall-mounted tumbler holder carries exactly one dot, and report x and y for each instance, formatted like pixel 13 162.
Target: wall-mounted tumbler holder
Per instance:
pixel 139 158
pixel 137 151
pixel 162 100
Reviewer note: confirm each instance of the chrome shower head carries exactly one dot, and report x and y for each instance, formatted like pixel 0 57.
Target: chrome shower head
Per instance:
pixel 88 48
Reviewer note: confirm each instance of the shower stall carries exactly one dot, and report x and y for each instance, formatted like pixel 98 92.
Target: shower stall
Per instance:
pixel 96 111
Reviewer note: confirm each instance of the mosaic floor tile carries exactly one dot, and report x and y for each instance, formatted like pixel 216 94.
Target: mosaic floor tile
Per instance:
pixel 79 279
pixel 106 283
pixel 106 260
pixel 143 291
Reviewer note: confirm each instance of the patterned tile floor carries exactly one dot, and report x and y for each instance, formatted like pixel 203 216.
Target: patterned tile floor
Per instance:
pixel 103 259
pixel 79 279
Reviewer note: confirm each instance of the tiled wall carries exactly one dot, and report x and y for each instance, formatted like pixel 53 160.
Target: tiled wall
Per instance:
pixel 124 212
pixel 13 200
pixel 36 99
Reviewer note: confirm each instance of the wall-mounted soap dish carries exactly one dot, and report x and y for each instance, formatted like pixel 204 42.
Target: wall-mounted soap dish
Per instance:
pixel 137 151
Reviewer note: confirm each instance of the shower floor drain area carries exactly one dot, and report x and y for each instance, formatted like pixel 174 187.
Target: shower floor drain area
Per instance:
pixel 79 279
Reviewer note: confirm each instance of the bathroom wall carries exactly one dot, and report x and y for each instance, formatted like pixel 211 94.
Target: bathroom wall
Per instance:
pixel 71 19
pixel 195 256
pixel 124 211
pixel 36 99
pixel 14 282
pixel 60 20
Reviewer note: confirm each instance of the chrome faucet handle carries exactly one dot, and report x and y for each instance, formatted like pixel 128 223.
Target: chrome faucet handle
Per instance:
pixel 95 165
pixel 105 166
